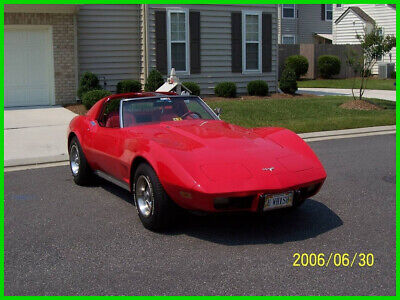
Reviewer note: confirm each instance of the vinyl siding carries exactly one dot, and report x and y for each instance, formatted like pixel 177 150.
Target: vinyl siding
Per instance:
pixel 215 46
pixel 305 25
pixel 310 22
pixel 344 32
pixel 109 42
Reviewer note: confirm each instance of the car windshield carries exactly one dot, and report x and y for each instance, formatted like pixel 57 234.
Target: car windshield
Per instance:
pixel 163 109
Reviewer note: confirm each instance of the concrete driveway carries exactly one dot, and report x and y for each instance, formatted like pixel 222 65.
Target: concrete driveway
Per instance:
pixel 378 94
pixel 35 135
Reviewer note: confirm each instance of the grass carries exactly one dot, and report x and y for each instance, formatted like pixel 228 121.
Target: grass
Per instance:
pixel 304 114
pixel 373 84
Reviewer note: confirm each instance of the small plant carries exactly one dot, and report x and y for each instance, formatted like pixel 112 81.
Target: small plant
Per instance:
pixel 298 63
pixel 288 82
pixel 328 66
pixel 225 89
pixel 88 82
pixel 154 81
pixel 257 88
pixel 91 97
pixel 393 75
pixel 129 86
pixel 193 87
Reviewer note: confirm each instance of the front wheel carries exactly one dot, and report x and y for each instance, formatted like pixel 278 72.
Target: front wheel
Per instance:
pixel 80 169
pixel 155 209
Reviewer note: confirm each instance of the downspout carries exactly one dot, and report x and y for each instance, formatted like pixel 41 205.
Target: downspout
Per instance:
pixel 76 62
pixel 145 42
pixel 277 49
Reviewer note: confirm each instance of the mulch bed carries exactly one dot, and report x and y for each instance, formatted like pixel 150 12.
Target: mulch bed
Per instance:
pixel 360 105
pixel 269 97
pixel 79 109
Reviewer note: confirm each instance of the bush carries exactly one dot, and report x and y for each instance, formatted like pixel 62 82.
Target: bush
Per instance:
pixel 88 82
pixel 393 75
pixel 129 86
pixel 91 97
pixel 288 82
pixel 193 87
pixel 225 89
pixel 298 63
pixel 328 65
pixel 257 88
pixel 154 81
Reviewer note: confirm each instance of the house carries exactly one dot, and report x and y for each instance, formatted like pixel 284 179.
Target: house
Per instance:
pixel 305 23
pixel 206 44
pixel 350 20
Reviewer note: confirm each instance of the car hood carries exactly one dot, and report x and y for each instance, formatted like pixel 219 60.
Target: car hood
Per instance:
pixel 221 156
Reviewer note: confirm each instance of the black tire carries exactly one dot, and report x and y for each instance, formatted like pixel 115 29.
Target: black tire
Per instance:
pixel 83 174
pixel 163 210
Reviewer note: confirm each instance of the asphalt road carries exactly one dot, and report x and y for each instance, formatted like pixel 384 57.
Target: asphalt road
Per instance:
pixel 61 239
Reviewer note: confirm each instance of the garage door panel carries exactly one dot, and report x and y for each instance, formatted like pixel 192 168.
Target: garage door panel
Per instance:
pixel 28 67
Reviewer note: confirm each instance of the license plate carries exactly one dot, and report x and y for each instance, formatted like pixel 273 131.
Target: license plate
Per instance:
pixel 278 200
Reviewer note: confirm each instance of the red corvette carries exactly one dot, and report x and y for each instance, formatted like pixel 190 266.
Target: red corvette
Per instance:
pixel 173 151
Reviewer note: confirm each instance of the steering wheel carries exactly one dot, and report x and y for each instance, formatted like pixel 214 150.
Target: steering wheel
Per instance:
pixel 186 114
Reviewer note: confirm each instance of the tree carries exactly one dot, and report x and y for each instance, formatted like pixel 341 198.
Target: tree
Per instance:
pixel 373 45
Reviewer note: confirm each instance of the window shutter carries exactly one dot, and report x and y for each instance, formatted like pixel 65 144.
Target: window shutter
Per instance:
pixel 236 40
pixel 266 42
pixel 161 41
pixel 322 12
pixel 194 25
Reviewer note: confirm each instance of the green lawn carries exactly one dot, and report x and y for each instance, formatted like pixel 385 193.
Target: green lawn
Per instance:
pixel 373 84
pixel 304 114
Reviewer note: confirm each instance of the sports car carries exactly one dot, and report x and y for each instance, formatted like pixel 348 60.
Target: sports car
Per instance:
pixel 173 151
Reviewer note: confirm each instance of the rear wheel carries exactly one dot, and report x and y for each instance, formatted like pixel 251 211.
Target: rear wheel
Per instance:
pixel 80 169
pixel 155 209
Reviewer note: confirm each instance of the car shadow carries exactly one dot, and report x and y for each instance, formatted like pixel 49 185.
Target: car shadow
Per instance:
pixel 308 221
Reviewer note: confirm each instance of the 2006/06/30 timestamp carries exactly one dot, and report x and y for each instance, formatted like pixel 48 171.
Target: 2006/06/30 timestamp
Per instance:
pixel 333 259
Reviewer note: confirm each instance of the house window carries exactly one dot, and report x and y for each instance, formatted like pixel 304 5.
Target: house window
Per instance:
pixel 339 5
pixel 288 39
pixel 328 12
pixel 251 47
pixel 177 37
pixel 288 11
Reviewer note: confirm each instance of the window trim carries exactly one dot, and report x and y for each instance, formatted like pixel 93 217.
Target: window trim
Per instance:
pixel 187 40
pixel 244 42
pixel 294 11
pixel 289 35
pixel 326 12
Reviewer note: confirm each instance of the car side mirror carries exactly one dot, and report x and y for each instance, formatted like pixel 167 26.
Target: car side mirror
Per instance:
pixel 218 111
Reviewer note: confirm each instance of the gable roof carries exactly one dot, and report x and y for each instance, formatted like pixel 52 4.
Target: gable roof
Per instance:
pixel 359 12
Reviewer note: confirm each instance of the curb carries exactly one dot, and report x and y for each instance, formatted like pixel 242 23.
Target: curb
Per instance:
pixel 347 133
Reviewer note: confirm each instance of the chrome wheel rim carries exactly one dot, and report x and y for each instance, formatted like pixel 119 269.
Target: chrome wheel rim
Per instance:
pixel 144 196
pixel 74 160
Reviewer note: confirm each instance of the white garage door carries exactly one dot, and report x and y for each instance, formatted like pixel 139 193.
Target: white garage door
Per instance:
pixel 28 66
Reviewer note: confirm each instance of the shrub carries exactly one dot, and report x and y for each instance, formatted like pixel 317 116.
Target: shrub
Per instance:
pixel 328 65
pixel 91 97
pixel 257 88
pixel 193 87
pixel 88 82
pixel 288 82
pixel 225 89
pixel 154 81
pixel 393 75
pixel 128 86
pixel 298 63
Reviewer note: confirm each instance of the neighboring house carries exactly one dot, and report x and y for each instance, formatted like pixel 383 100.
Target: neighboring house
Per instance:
pixel 47 47
pixel 40 62
pixel 351 19
pixel 206 44
pixel 305 23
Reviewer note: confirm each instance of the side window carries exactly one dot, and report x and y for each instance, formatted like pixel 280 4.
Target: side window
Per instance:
pixel 110 115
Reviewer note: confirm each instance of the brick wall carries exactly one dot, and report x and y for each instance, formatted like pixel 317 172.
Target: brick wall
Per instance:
pixel 63 48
